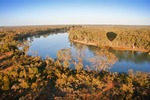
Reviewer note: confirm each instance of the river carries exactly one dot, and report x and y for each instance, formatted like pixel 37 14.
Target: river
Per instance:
pixel 117 60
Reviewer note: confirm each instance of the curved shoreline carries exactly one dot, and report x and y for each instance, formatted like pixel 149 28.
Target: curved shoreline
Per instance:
pixel 115 48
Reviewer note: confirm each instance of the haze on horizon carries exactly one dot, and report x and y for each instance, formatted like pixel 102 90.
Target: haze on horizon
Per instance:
pixel 56 12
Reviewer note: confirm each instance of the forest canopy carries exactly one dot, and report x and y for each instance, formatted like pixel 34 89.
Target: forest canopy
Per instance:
pixel 129 37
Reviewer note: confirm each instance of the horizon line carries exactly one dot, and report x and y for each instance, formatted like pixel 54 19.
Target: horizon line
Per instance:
pixel 74 25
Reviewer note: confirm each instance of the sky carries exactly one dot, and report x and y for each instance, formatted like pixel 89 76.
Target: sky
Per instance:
pixel 56 12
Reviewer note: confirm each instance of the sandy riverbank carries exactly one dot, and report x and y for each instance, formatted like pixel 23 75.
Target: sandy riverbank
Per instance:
pixel 115 48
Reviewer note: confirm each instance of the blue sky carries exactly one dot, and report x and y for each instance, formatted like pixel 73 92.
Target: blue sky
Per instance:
pixel 53 12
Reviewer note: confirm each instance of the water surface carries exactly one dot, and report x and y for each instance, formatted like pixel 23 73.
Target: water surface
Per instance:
pixel 49 44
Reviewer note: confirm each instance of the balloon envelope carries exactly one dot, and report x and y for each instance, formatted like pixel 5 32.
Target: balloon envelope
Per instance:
pixel 111 36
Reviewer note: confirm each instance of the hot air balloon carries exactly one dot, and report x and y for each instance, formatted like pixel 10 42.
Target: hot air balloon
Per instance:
pixel 111 36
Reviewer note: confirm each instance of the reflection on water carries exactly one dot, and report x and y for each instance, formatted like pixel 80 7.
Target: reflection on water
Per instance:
pixel 117 61
pixel 131 59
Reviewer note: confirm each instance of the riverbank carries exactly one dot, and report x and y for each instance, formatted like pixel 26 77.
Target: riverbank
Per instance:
pixel 113 47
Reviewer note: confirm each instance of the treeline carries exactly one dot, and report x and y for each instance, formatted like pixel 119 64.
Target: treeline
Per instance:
pixel 27 31
pixel 9 36
pixel 26 77
pixel 136 37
